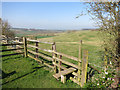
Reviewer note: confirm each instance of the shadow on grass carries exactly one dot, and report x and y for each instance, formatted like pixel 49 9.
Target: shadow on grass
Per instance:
pixel 36 68
pixel 11 58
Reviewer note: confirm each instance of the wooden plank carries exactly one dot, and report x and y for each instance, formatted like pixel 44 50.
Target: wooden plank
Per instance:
pixel 11 49
pixel 94 68
pixel 39 41
pixel 84 68
pixel 18 42
pixel 46 57
pixel 74 80
pixel 76 74
pixel 68 63
pixel 40 48
pixel 35 58
pixel 48 65
pixel 11 54
pixel 63 78
pixel 65 72
pixel 25 46
pixel 71 57
pixel 11 44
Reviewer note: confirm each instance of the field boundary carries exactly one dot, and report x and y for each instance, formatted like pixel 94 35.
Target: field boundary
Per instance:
pixel 79 71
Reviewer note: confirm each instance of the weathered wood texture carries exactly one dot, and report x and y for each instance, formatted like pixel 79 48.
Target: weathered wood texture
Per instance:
pixel 84 68
pixel 79 60
pixel 74 80
pixel 68 63
pixel 60 66
pixel 39 41
pixel 46 57
pixel 36 49
pixel 63 78
pixel 11 44
pixel 71 57
pixel 50 66
pixel 40 48
pixel 60 63
pixel 89 65
pixel 54 55
pixel 65 72
pixel 25 46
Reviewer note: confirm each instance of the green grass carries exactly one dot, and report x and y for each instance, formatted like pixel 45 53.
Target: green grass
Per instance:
pixel 43 36
pixel 30 74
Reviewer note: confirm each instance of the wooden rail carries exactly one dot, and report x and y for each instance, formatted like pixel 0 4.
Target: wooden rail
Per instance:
pixel 40 61
pixel 68 63
pixel 80 69
pixel 11 44
pixel 48 58
pixel 40 48
pixel 39 41
pixel 70 57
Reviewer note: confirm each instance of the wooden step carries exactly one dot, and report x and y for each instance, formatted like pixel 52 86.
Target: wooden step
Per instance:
pixel 65 72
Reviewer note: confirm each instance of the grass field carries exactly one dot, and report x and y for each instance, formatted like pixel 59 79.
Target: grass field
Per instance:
pixel 23 72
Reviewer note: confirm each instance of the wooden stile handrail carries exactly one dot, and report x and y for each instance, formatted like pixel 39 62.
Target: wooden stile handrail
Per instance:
pixel 66 62
pixel 71 57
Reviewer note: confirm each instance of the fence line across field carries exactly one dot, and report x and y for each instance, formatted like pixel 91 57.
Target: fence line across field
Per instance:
pixel 56 61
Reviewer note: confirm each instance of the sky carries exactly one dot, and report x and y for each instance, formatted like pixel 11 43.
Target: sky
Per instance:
pixel 46 15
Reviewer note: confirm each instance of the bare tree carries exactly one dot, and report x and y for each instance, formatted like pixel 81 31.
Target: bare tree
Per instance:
pixel 5 28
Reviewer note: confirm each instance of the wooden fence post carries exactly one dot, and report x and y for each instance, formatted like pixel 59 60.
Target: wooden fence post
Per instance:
pixel 59 69
pixel 79 63
pixel 36 50
pixel 25 46
pixel 54 55
pixel 84 68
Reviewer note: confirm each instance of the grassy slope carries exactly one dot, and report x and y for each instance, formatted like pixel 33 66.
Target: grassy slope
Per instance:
pixel 29 74
pixel 42 78
pixel 90 40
